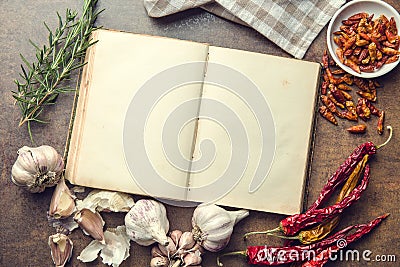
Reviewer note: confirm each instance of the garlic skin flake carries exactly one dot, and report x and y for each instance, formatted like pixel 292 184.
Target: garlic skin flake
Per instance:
pixel 63 225
pixel 147 223
pixel 62 202
pixel 213 225
pixel 37 168
pixel 113 252
pixel 103 200
pixel 61 249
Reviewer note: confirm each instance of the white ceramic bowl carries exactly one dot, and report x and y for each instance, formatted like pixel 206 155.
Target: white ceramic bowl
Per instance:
pixel 376 7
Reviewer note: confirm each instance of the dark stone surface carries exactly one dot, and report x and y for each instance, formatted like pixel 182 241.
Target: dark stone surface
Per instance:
pixel 24 228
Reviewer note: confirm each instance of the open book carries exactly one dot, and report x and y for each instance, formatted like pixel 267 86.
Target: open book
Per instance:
pixel 187 121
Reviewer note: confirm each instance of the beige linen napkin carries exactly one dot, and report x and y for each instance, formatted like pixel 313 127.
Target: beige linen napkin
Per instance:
pixel 291 24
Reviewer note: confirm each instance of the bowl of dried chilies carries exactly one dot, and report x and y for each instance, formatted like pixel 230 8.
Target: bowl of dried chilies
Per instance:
pixel 363 38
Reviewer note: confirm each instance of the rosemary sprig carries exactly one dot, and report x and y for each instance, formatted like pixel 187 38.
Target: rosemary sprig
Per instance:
pixel 42 80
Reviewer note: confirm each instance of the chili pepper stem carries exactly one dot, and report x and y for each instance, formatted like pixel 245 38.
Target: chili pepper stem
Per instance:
pixel 268 232
pixel 240 253
pixel 390 137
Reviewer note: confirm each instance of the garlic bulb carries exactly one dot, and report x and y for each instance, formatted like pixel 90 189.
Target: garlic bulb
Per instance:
pixel 147 223
pixel 37 168
pixel 213 225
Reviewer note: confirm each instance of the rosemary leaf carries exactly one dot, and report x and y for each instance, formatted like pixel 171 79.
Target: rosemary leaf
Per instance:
pixel 41 81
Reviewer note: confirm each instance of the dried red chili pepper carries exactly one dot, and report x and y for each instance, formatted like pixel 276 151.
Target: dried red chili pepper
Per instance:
pixel 363 55
pixel 363 111
pixel 352 64
pixel 324 87
pixel 372 108
pixel 348 79
pixel 330 105
pixel 269 255
pixel 381 118
pixel 327 114
pixel 390 51
pixel 360 128
pixel 351 113
pixel 344 87
pixel 348 52
pixel 325 59
pixel 346 95
pixel 368 68
pixel 362 84
pixel 357 51
pixel 388 44
pixel 371 85
pixel 359 16
pixel 332 98
pixel 369 96
pixel 337 94
pixel 332 79
pixel 392 59
pixel 338 71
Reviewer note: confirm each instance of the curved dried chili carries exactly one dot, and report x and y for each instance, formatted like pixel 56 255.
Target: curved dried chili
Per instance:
pixel 320 231
pixel 291 225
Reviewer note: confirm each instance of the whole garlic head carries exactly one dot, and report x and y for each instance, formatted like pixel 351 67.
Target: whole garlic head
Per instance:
pixel 213 225
pixel 147 223
pixel 37 168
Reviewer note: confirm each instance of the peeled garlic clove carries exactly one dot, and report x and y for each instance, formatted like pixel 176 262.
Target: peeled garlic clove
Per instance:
pixel 62 203
pixel 159 262
pixel 213 225
pixel 37 168
pixel 91 223
pixel 192 258
pixel 61 249
pixel 169 249
pixel 147 223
